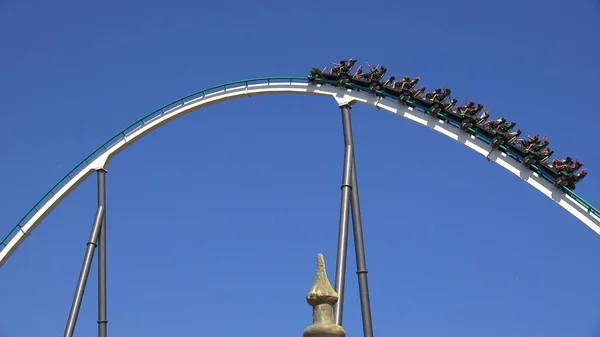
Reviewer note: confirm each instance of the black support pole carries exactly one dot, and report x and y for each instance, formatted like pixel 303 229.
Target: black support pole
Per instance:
pixel 85 271
pixel 359 247
pixel 102 307
pixel 361 260
pixel 340 272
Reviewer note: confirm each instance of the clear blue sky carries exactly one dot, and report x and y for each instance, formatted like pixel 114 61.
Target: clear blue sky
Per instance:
pixel 215 220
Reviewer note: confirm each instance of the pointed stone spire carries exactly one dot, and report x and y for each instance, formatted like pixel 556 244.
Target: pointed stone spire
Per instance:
pixel 322 297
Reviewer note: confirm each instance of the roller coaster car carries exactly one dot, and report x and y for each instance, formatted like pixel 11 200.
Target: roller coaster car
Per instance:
pixel 436 101
pixel 565 169
pixel 443 108
pixel 376 78
pixel 539 158
pixel 404 90
pixel 493 124
pixel 469 109
pixel 472 121
pixel 413 94
pixel 570 182
pixel 524 147
pixel 458 116
pixel 438 95
pixel 558 164
pixel 318 76
pixel 499 135
pixel 506 127
pixel 338 75
pixel 361 82
pixel 334 78
pixel 435 108
pixel 503 136
pixel 372 82
pixel 564 172
pixel 534 141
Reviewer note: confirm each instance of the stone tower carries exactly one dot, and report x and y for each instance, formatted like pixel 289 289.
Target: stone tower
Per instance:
pixel 322 298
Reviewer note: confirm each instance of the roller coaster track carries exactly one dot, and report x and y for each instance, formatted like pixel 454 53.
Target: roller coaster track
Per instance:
pixel 100 158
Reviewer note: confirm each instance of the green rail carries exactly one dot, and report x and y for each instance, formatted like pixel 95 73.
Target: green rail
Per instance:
pixel 179 102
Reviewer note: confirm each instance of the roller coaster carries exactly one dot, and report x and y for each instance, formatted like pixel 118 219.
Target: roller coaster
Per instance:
pixel 436 110
pixel 532 152
pixel 402 102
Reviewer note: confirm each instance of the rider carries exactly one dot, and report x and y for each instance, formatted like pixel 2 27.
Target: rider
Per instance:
pixel 544 142
pixel 545 152
pixel 437 95
pixel 530 140
pixel 440 96
pixel 402 82
pixel 504 127
pixel 433 96
pixel 358 74
pixel 514 133
pixel 418 92
pixel 337 67
pixel 349 64
pixel 556 162
pixel 389 82
pixel 572 166
pixel 376 72
pixel 484 115
pixel 406 83
pixel 494 123
pixel 472 110
pixel 580 175
pixel 378 75
pixel 464 109
pixel 342 67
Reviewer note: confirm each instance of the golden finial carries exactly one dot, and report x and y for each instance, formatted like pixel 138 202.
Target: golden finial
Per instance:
pixel 322 297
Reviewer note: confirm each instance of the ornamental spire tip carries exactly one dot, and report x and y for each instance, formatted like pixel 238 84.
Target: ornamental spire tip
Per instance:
pixel 322 297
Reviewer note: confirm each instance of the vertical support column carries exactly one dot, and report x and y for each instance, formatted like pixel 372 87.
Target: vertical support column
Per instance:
pixel 361 260
pixel 85 271
pixel 340 272
pixel 361 264
pixel 102 307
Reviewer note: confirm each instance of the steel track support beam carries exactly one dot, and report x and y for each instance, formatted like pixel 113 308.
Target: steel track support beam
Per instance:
pixel 85 271
pixel 350 199
pixel 92 243
pixel 361 260
pixel 340 270
pixel 102 306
